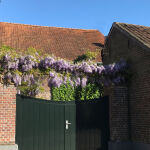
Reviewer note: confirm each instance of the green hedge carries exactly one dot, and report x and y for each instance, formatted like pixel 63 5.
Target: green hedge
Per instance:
pixel 69 93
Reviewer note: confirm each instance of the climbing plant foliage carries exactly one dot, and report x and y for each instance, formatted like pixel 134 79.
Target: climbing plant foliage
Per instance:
pixel 68 81
pixel 86 56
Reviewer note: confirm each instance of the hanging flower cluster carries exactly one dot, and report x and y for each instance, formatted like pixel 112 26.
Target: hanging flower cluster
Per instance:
pixel 81 74
pixel 27 70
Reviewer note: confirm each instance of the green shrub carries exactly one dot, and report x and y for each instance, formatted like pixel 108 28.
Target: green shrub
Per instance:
pixel 91 91
pixel 64 93
pixel 69 93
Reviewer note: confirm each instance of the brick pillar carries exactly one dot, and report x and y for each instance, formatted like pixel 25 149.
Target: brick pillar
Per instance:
pixel 119 121
pixel 7 117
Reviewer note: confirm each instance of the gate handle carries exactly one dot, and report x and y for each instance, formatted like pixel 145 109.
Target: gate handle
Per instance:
pixel 67 123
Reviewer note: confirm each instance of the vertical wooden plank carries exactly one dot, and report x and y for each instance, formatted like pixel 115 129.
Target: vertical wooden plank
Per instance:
pixel 21 117
pixel 28 124
pixel 22 123
pixel 25 125
pixel 70 134
pixel 31 127
pixel 73 126
pixel 43 118
pixel 19 121
pixel 87 139
pixel 59 127
pixel 46 126
pixel 17 137
pixel 36 124
pixel 67 132
pixel 41 127
pixel 51 126
pixel 56 132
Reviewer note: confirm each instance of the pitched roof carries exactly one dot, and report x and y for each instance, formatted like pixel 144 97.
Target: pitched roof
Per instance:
pixel 62 42
pixel 140 33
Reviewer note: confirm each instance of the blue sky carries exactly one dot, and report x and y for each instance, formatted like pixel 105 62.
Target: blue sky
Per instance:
pixel 84 14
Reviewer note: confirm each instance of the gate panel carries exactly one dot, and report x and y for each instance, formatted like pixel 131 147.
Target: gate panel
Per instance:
pixel 39 124
pixel 92 124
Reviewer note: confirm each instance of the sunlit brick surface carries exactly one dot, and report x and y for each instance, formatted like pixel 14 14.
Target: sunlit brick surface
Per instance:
pixel 7 114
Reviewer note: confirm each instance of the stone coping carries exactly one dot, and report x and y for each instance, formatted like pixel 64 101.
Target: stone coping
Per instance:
pixel 9 147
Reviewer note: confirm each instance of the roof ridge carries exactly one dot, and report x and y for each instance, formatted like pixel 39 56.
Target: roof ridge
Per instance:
pixel 119 23
pixel 50 26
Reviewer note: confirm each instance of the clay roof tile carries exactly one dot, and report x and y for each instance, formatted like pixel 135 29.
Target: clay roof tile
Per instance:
pixel 66 43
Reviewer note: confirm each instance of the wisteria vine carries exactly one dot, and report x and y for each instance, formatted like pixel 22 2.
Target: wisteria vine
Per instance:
pixel 29 69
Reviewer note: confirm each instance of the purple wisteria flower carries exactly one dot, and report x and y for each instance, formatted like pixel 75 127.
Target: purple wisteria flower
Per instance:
pixel 26 63
pixel 55 82
pixel 13 65
pixel 94 68
pixel 25 68
pixel 6 58
pixel 102 75
pixel 100 69
pixel 25 78
pixel 17 79
pixel 8 76
pixel 111 67
pixel 71 82
pixel 65 80
pixel 117 67
pixel 35 65
pixel 83 82
pixel 85 67
pixel 21 60
pixel 77 81
pixel 47 62
pixel 51 74
pixel 32 80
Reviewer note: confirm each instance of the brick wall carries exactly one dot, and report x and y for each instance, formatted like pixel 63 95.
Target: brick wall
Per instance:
pixel 121 46
pixel 118 109
pixel 7 114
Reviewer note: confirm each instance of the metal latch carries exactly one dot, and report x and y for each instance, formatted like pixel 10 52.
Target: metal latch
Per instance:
pixel 67 123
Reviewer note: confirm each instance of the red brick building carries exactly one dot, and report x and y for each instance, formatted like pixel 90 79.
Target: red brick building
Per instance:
pixel 132 43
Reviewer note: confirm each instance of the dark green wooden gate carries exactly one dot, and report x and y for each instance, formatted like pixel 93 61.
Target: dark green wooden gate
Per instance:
pixel 45 125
